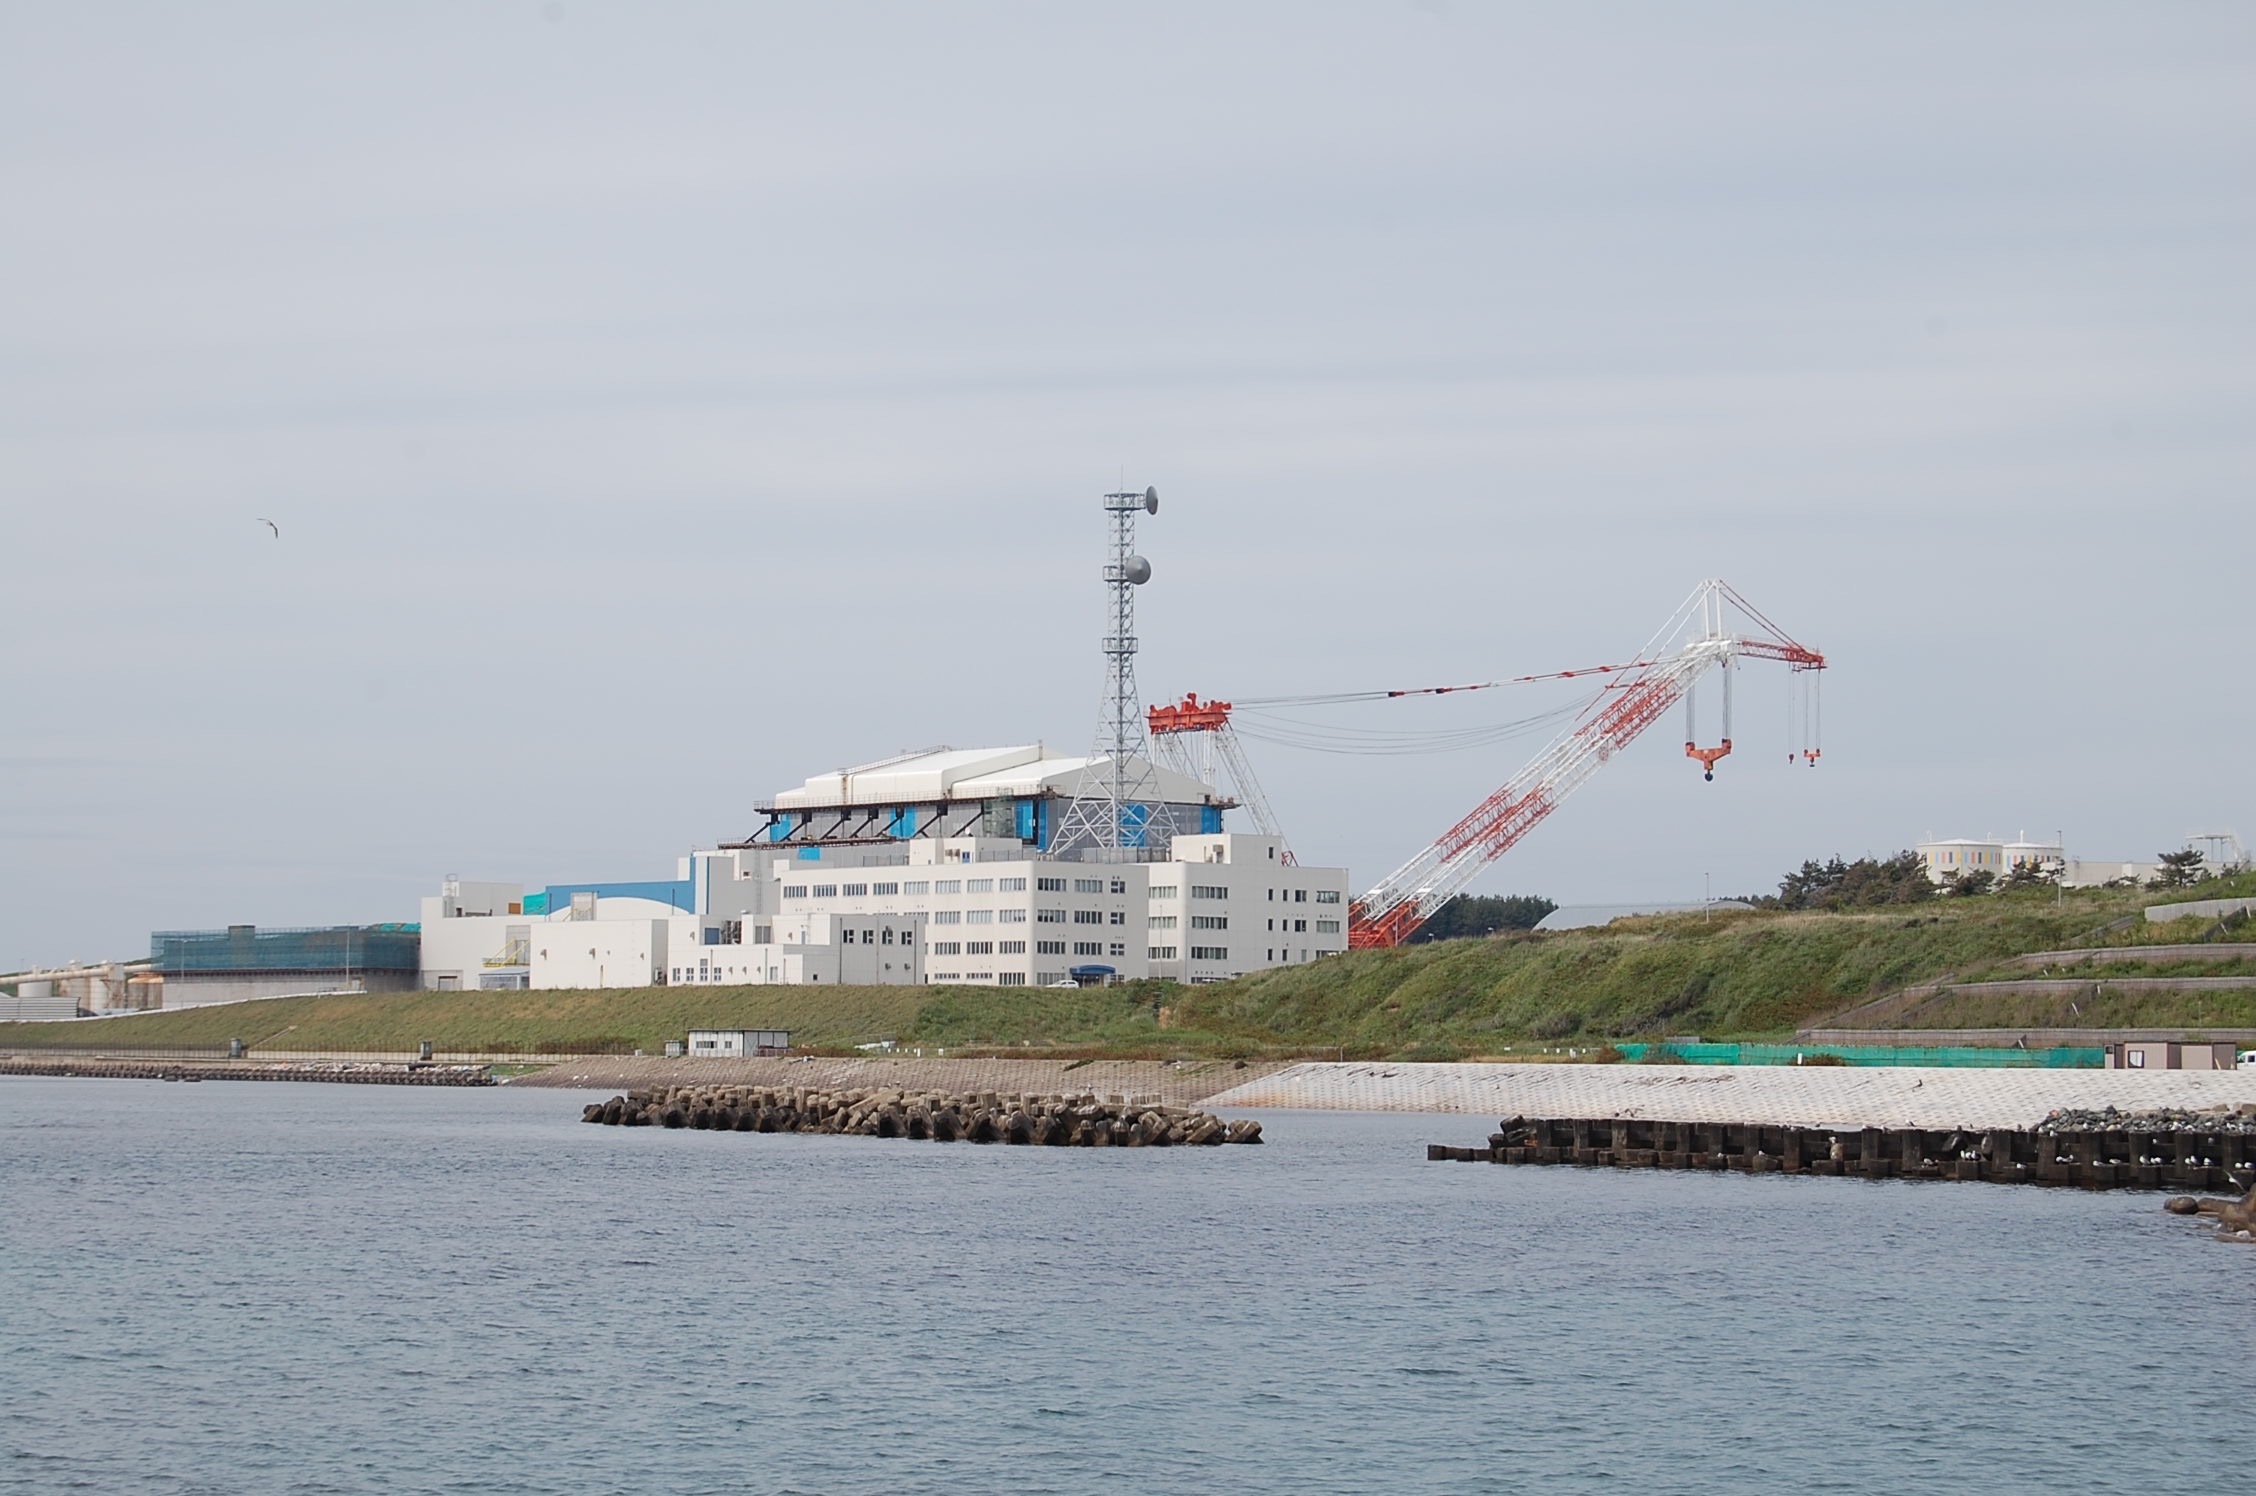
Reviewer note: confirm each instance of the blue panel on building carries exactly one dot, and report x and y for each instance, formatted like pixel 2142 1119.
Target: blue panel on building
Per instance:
pixel 1210 819
pixel 678 892
pixel 1042 826
pixel 1025 819
pixel 903 822
pixel 1133 820
pixel 810 854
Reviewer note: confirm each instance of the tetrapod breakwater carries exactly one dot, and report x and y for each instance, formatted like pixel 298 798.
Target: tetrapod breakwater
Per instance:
pixel 1053 1121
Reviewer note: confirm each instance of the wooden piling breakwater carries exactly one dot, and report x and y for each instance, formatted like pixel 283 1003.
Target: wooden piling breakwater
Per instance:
pixel 2127 1156
pixel 342 1072
pixel 1054 1121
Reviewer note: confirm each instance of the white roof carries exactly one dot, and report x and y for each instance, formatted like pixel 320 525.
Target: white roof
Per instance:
pixel 971 774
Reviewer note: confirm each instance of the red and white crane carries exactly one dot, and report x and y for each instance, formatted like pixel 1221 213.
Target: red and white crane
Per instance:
pixel 1700 637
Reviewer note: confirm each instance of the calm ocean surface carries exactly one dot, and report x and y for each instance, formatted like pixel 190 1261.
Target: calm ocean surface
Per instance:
pixel 299 1288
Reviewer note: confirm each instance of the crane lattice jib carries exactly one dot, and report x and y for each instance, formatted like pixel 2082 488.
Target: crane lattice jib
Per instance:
pixel 1393 910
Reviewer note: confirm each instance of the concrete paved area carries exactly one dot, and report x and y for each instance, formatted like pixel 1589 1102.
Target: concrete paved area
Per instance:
pixel 1814 1096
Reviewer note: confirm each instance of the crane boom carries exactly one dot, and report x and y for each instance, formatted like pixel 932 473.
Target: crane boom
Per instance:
pixel 1406 898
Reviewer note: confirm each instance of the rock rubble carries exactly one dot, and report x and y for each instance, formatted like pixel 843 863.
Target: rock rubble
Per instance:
pixel 1055 1121
pixel 2226 1118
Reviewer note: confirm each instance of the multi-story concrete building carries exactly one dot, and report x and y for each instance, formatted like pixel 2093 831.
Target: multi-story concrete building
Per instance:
pixel 930 867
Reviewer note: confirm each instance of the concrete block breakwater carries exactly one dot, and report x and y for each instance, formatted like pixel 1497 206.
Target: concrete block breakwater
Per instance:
pixel 1054 1121
pixel 338 1072
pixel 2128 1154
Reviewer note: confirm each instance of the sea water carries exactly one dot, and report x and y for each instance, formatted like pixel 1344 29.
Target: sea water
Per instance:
pixel 309 1288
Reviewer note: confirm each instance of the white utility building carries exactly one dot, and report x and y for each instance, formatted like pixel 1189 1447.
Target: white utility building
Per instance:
pixel 929 867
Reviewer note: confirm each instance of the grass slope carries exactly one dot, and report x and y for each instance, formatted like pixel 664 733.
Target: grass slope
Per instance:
pixel 1733 976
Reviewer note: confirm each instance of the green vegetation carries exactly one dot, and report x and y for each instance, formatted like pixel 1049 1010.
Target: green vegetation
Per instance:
pixel 1468 915
pixel 1731 975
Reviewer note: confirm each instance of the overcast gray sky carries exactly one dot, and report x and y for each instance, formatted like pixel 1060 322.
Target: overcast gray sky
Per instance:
pixel 661 403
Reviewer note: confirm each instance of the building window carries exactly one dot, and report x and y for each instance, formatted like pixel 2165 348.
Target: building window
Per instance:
pixel 1011 979
pixel 1163 891
pixel 823 891
pixel 979 947
pixel 1116 949
pixel 1049 947
pixel 917 885
pixel 1300 895
pixel 979 916
pixel 794 890
pixel 1327 927
pixel 1119 885
pixel 947 916
pixel 948 885
pixel 1010 885
pixel 1208 891
pixel 1010 916
pixel 1210 953
pixel 1300 927
pixel 1049 916
pixel 1118 917
pixel 1161 922
pixel 1210 922
pixel 1049 885
pixel 1088 916
pixel 854 890
pixel 1088 885
pixel 885 890
pixel 1010 947
pixel 979 885
pixel 1160 953
pixel 947 947
pixel 1327 895
pixel 979 976
pixel 1088 947
pixel 888 940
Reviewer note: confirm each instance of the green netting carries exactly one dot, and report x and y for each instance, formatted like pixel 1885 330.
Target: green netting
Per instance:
pixel 342 948
pixel 1949 1057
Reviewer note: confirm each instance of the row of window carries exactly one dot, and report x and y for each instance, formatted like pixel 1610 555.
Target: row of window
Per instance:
pixel 1159 953
pixel 982 917
pixel 1210 953
pixel 1018 885
pixel 978 948
pixel 914 886
pixel 1210 922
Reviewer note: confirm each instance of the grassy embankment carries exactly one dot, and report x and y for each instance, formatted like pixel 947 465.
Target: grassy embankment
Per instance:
pixel 1736 975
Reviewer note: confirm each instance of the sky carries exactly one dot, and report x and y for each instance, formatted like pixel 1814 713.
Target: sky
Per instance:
pixel 660 403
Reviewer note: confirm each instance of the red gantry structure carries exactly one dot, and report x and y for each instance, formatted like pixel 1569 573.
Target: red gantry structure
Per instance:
pixel 1194 737
pixel 1715 628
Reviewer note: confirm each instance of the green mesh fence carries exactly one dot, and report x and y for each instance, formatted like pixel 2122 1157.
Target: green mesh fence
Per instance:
pixel 1949 1057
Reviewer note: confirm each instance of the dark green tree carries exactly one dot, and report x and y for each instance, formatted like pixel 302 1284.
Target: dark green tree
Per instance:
pixel 2032 874
pixel 1466 915
pixel 1865 883
pixel 2179 869
pixel 1975 880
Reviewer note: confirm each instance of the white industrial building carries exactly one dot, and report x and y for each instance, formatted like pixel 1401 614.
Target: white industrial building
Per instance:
pixel 1947 858
pixel 929 867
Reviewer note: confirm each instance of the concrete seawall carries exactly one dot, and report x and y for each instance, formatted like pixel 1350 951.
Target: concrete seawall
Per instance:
pixel 1176 1082
pixel 1812 1096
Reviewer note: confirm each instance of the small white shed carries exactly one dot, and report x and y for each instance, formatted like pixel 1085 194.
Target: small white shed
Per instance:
pixel 720 1044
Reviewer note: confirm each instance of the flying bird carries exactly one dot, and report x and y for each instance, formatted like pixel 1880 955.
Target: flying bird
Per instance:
pixel 271 525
